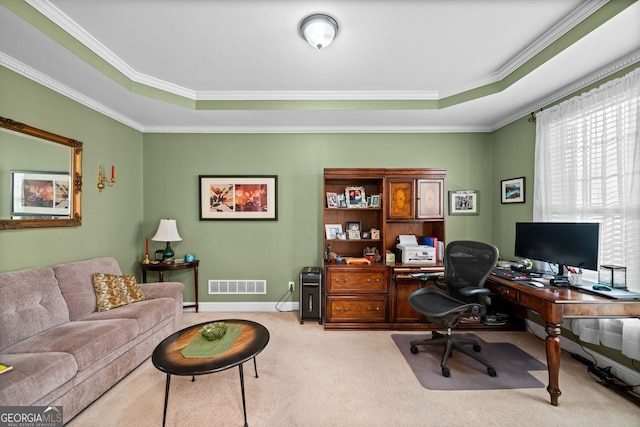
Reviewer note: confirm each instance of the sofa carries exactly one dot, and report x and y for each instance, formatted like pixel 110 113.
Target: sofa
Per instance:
pixel 64 351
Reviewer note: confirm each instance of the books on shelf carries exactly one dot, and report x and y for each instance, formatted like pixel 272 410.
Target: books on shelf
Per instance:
pixel 5 368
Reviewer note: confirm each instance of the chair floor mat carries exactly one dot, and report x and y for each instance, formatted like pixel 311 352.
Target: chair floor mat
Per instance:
pixel 511 363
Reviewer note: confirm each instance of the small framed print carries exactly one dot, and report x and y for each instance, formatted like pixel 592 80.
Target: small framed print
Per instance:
pixel 331 231
pixel 355 196
pixel 375 201
pixel 341 201
pixel 353 234
pixel 375 234
pixel 354 226
pixel 332 200
pixel 464 202
pixel 366 235
pixel 512 190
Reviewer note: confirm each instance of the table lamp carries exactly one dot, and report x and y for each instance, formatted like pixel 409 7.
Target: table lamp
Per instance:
pixel 167 232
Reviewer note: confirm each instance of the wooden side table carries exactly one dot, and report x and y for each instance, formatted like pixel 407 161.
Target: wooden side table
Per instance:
pixel 162 267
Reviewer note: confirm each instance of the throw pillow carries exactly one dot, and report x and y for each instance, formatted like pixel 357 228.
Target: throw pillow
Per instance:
pixel 115 291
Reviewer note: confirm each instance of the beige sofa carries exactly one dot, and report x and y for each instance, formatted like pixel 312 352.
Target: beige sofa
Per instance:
pixel 65 352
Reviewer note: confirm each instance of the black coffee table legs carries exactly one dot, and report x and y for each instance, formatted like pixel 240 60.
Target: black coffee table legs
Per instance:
pixel 193 378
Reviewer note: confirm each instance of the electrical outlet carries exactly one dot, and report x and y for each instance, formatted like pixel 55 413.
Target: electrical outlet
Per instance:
pixel 292 286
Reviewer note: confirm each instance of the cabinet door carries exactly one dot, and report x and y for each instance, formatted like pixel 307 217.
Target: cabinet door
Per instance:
pixel 401 199
pixel 404 312
pixel 430 199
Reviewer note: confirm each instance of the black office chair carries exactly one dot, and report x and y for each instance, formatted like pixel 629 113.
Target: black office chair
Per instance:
pixel 466 267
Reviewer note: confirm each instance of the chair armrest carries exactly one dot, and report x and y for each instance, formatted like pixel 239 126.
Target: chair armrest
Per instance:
pixel 434 278
pixel 474 291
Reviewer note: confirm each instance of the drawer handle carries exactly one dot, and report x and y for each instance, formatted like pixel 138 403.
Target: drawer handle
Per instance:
pixel 369 280
pixel 373 308
pixel 342 280
pixel 504 291
pixel 342 310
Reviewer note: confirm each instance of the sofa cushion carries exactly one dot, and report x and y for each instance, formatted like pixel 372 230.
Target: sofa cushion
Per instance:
pixel 34 375
pixel 147 313
pixel 86 341
pixel 31 302
pixel 76 284
pixel 115 291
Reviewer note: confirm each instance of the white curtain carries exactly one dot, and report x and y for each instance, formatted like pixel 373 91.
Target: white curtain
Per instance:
pixel 587 168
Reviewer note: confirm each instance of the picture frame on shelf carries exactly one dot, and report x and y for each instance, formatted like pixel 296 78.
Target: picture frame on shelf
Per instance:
pixel 332 200
pixel 353 234
pixel 464 202
pixel 342 203
pixel 354 226
pixel 39 193
pixel 375 201
pixel 355 196
pixel 331 231
pixel 366 235
pixel 512 190
pixel 238 197
pixel 375 234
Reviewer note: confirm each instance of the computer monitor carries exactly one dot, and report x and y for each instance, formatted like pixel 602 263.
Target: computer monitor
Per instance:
pixel 562 243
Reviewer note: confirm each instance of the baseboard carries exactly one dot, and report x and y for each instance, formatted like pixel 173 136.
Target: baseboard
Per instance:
pixel 622 372
pixel 244 306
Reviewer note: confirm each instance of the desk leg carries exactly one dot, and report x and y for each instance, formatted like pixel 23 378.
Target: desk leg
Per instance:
pixel 244 404
pixel 553 360
pixel 195 284
pixel 166 399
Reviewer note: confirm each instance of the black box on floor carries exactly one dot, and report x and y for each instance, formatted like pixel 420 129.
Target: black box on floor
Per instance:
pixel 311 294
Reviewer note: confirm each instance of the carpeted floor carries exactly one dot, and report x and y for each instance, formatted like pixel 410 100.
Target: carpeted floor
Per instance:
pixel 311 377
pixel 511 363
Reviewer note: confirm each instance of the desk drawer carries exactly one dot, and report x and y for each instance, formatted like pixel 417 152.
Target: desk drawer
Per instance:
pixel 357 280
pixel 507 293
pixel 357 309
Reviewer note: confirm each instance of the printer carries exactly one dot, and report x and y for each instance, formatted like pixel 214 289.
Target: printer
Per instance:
pixel 413 253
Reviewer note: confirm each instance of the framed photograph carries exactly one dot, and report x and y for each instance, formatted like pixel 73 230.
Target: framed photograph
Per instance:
pixel 375 201
pixel 342 203
pixel 512 190
pixel 354 196
pixel 463 202
pixel 430 199
pixel 35 193
pixel 332 200
pixel 366 235
pixel 353 234
pixel 247 197
pixel 354 226
pixel 375 234
pixel 332 230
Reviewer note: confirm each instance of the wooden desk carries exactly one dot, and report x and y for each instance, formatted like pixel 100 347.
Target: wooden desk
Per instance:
pixel 162 267
pixel 555 305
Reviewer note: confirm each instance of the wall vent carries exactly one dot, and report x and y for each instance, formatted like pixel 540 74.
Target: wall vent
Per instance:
pixel 234 287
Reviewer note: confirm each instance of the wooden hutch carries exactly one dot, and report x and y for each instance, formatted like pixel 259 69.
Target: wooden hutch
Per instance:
pixel 411 202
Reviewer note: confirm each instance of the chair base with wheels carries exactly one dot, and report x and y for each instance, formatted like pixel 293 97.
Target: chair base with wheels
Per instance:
pixel 450 343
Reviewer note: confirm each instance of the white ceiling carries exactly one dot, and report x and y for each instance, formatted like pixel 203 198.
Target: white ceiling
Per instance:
pixel 241 66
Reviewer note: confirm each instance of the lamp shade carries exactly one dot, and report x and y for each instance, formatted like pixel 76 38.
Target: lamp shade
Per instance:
pixel 318 30
pixel 167 231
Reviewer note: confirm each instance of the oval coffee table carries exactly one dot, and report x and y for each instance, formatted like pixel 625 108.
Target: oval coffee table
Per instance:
pixel 167 356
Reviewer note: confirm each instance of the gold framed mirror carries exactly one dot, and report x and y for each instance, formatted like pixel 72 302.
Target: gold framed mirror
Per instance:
pixel 40 178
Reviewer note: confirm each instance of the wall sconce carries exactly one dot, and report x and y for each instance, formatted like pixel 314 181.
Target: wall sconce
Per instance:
pixel 103 180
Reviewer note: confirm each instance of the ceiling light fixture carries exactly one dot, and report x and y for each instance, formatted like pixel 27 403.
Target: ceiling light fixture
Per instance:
pixel 318 30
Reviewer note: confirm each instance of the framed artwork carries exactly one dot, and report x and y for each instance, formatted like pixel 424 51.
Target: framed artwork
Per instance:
pixel 512 190
pixel 244 197
pixel 375 201
pixel 332 200
pixel 353 234
pixel 354 226
pixel 375 234
pixel 430 198
pixel 355 196
pixel 342 203
pixel 35 193
pixel 366 235
pixel 401 200
pixel 332 230
pixel 463 202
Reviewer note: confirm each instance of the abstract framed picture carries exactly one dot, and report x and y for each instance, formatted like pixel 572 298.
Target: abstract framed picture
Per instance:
pixel 512 190
pixel 238 197
pixel 464 202
pixel 36 193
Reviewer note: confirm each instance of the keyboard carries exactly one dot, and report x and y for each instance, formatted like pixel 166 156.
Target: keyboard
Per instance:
pixel 509 274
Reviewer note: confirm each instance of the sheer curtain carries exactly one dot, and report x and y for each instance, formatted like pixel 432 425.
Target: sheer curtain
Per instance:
pixel 587 168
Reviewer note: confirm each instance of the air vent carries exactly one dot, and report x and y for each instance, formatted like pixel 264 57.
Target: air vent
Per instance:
pixel 234 287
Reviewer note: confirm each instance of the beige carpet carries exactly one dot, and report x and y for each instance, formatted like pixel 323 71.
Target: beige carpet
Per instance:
pixel 312 377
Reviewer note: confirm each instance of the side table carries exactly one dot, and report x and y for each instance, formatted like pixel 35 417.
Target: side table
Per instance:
pixel 162 267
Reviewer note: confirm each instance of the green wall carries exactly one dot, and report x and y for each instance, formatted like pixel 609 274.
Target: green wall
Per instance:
pixel 276 251
pixel 112 222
